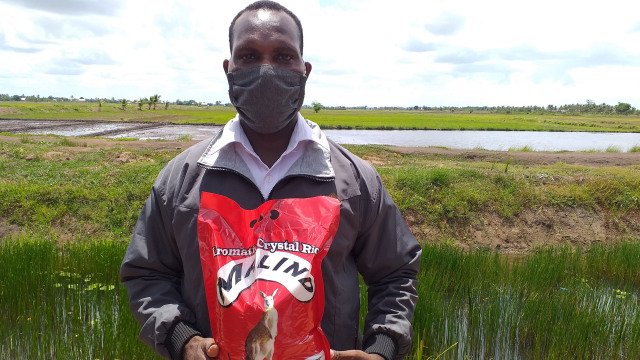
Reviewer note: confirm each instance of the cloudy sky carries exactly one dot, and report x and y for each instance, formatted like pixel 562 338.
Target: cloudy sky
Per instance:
pixel 363 52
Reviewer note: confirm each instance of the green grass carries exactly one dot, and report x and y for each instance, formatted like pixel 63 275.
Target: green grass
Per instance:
pixel 335 119
pixel 113 112
pixel 525 148
pixel 613 149
pixel 461 191
pixel 65 301
pixel 67 142
pixel 552 303
pixel 47 190
pixel 185 137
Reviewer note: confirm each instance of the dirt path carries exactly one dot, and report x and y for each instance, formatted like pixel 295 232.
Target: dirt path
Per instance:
pixel 531 157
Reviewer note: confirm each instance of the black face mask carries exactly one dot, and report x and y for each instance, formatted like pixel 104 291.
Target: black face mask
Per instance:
pixel 267 98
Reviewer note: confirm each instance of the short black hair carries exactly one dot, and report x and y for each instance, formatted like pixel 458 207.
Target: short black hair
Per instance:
pixel 265 5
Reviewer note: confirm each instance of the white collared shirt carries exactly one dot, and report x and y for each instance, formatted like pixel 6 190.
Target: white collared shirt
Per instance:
pixel 264 177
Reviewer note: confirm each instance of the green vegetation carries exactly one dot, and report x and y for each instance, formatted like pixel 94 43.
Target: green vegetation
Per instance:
pixel 85 194
pixel 65 301
pixel 67 212
pixel 333 119
pixel 317 106
pixel 457 191
pixel 402 119
pixel 550 304
pixel 49 190
pixel 524 148
pixel 185 137
pixel 178 114
pixel 66 142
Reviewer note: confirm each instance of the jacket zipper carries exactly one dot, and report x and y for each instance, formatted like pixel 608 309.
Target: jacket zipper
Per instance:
pixel 317 178
pixel 237 173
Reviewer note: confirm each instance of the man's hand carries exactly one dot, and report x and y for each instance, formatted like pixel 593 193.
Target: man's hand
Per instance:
pixel 199 348
pixel 354 355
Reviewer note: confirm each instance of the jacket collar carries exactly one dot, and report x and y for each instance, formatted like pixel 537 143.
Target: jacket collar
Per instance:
pixel 315 161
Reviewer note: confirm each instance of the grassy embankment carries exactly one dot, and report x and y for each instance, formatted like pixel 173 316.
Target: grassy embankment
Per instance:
pixel 335 119
pixel 455 193
pixel 67 214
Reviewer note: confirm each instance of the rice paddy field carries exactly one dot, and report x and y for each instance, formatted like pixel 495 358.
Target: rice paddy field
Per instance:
pixel 332 119
pixel 67 210
pixel 65 302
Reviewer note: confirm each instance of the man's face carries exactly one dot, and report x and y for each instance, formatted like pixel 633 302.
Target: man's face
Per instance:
pixel 266 37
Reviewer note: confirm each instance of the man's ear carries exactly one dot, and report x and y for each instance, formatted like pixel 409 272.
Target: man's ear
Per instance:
pixel 307 66
pixel 225 66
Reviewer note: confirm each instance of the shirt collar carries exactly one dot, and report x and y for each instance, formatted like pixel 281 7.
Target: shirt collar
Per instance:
pixel 305 130
pixel 221 151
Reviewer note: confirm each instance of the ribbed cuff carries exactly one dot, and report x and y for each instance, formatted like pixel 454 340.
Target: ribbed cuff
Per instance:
pixel 381 344
pixel 178 337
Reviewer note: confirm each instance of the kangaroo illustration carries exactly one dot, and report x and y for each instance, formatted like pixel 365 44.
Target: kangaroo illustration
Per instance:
pixel 259 343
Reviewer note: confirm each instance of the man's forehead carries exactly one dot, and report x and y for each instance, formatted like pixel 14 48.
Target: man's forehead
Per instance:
pixel 265 14
pixel 266 20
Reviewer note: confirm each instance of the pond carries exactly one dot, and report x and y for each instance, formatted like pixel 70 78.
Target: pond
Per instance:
pixel 491 140
pixel 454 139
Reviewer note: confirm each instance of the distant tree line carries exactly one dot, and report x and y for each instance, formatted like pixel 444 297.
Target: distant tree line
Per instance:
pixel 589 107
pixel 38 98
pixel 150 102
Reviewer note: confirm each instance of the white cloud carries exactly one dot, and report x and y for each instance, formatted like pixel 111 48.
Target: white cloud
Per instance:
pixel 364 52
pixel 415 45
pixel 71 7
pixel 446 24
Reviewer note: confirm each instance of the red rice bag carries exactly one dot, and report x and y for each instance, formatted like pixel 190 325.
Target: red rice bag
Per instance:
pixel 262 275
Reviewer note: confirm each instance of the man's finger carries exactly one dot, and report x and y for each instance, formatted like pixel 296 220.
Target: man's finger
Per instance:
pixel 213 350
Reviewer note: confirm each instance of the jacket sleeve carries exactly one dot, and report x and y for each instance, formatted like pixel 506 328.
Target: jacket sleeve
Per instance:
pixel 152 273
pixel 388 258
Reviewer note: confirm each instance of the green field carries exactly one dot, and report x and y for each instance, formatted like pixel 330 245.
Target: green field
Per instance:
pixel 335 119
pixel 67 211
pixel 65 302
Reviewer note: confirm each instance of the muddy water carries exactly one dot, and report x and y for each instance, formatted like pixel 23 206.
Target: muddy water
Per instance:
pixel 489 140
pixel 172 132
pixel 139 130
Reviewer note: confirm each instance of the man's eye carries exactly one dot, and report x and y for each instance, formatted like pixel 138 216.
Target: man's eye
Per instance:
pixel 247 57
pixel 285 58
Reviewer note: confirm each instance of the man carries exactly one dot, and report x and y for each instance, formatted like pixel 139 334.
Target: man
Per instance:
pixel 270 152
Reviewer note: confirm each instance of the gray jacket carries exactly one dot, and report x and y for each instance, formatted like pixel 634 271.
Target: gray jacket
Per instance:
pixel 163 276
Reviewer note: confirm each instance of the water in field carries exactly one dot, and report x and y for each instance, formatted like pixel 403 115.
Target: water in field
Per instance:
pixel 172 132
pixel 454 139
pixel 490 140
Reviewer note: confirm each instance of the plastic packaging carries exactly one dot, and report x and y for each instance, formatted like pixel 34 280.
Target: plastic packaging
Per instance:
pixel 262 275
